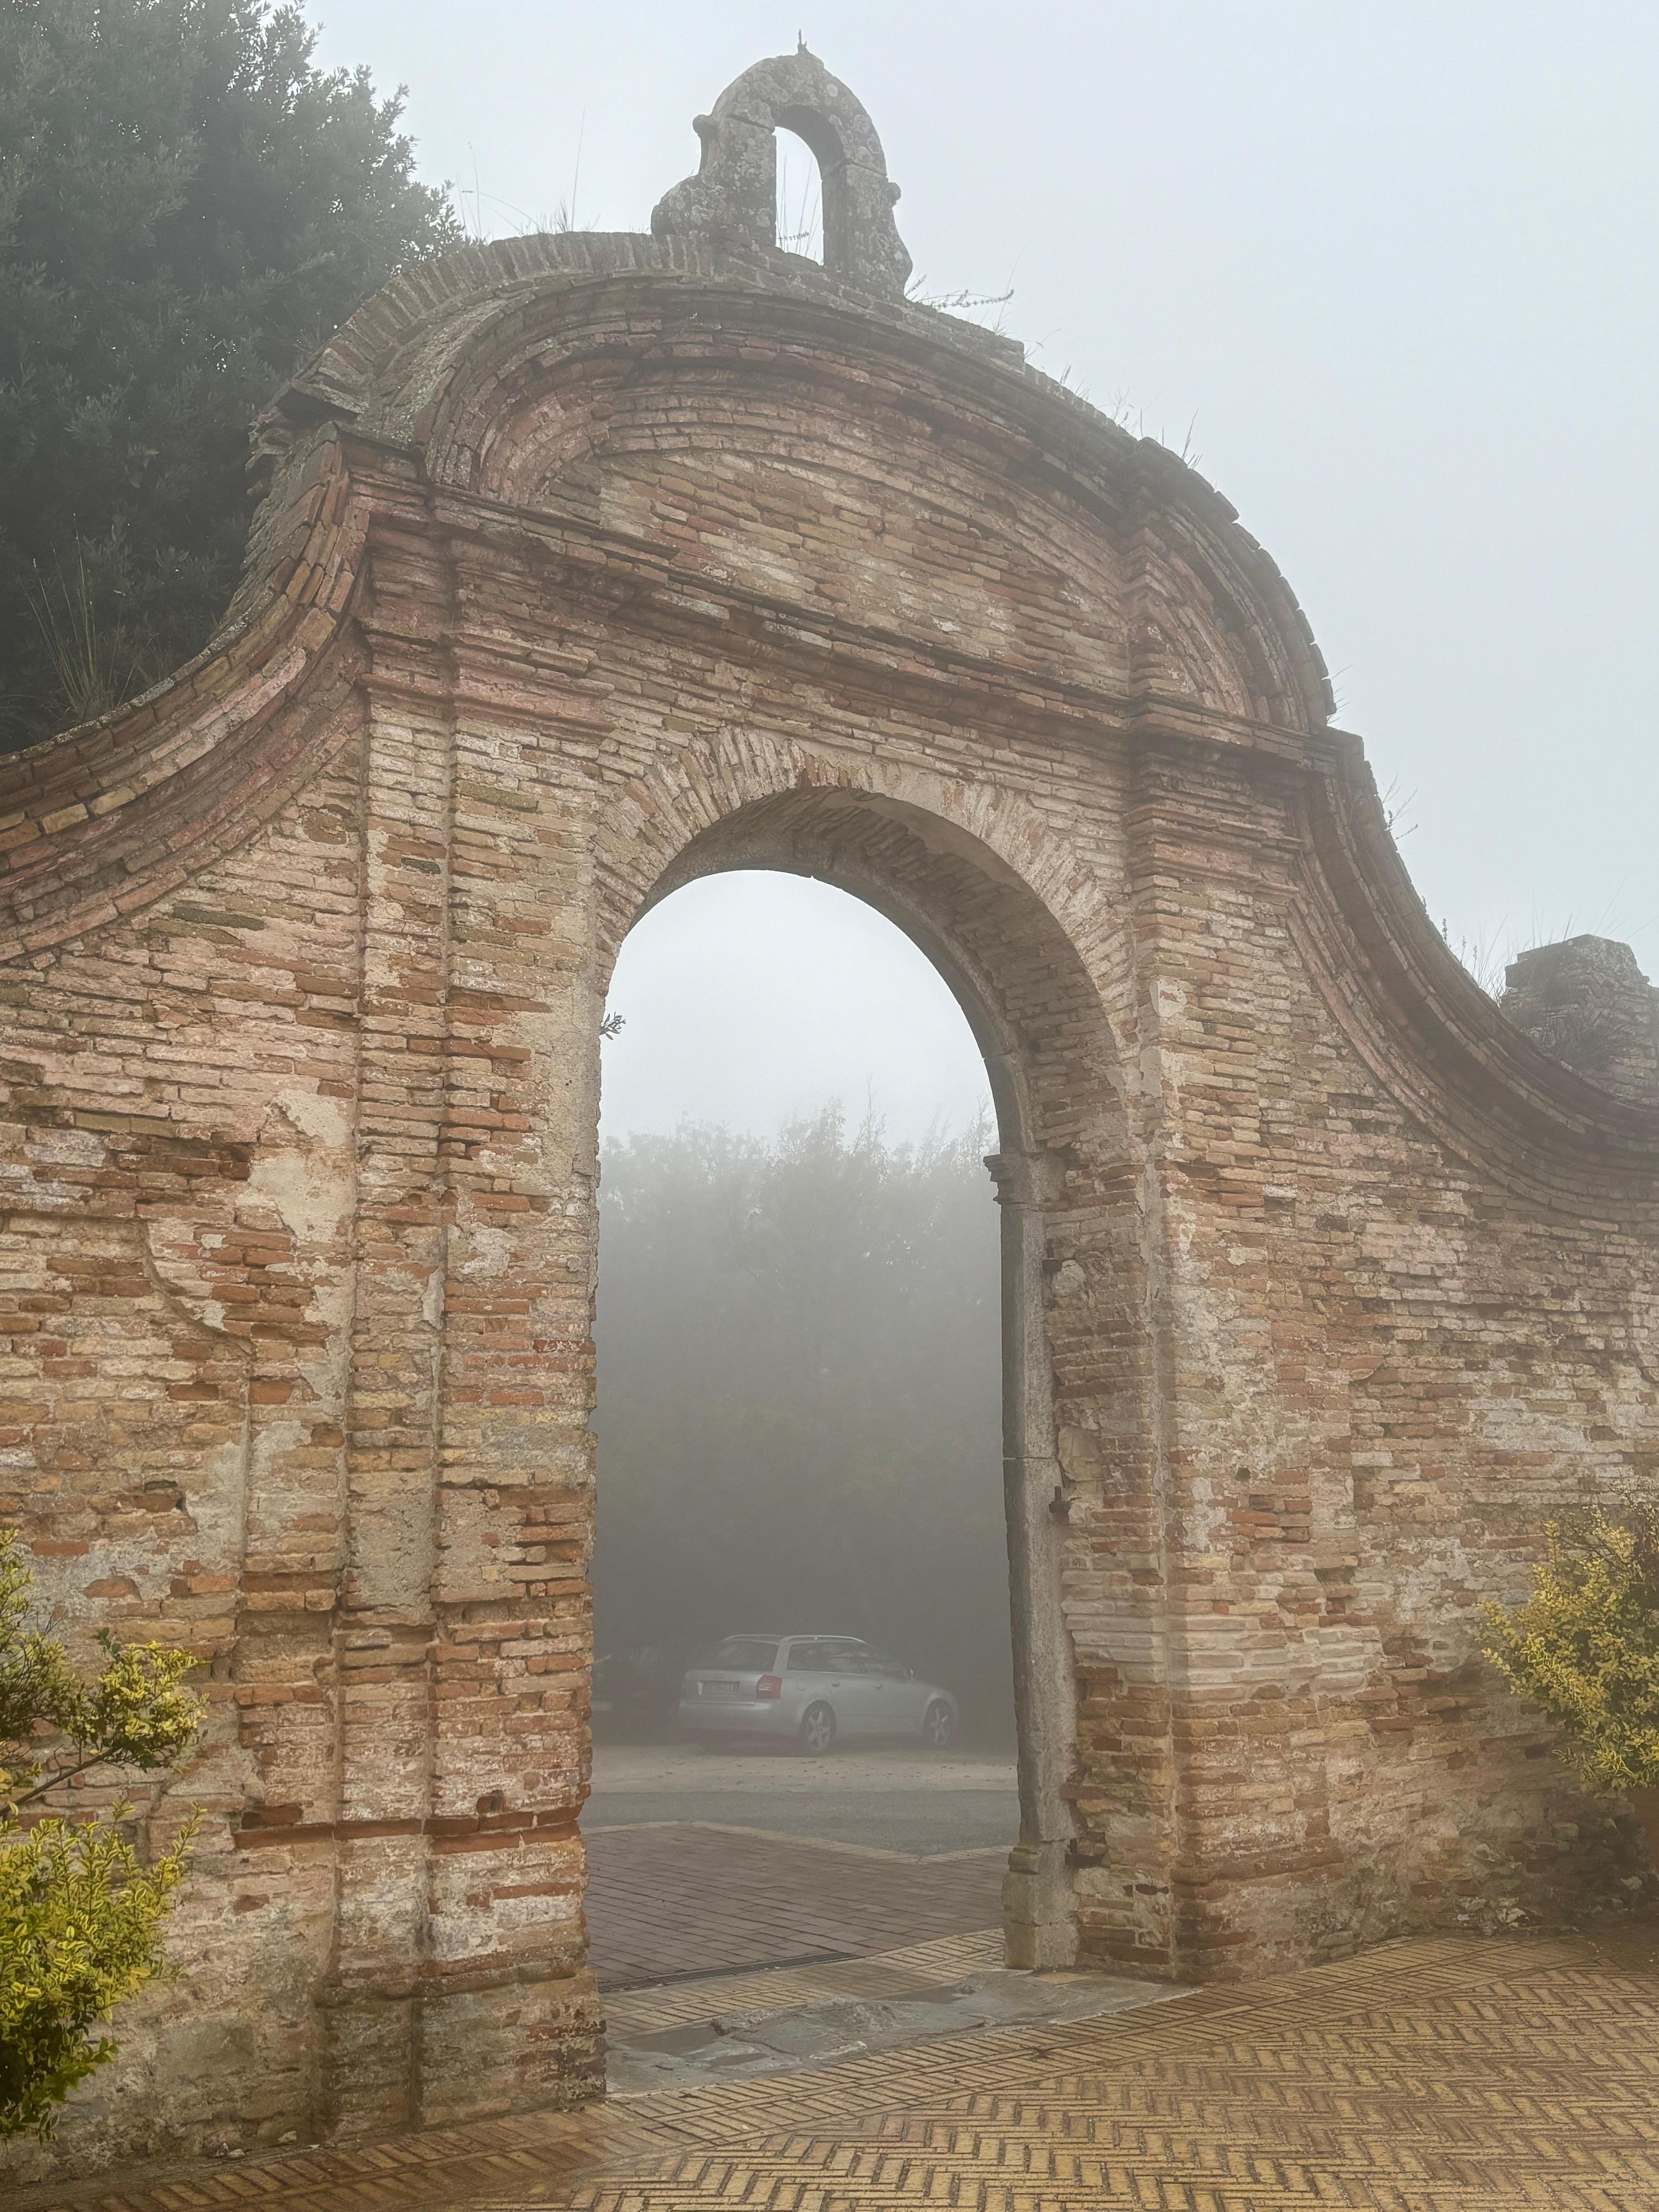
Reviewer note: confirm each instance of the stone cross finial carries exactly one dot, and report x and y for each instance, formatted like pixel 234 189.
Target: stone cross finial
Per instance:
pixel 732 199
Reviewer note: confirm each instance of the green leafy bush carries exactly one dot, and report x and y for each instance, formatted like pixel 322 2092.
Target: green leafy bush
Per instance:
pixel 1585 1645
pixel 79 1929
pixel 81 1918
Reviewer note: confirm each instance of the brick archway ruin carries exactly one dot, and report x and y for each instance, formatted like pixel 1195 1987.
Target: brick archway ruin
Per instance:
pixel 968 898
pixel 585 564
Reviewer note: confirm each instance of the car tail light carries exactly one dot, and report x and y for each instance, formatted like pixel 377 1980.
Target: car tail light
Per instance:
pixel 770 1686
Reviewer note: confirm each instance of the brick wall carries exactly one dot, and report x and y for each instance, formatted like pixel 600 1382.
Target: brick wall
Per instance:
pixel 587 566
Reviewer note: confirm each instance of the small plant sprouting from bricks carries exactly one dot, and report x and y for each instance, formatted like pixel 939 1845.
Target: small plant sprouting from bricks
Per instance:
pixel 98 663
pixel 80 1915
pixel 1585 1645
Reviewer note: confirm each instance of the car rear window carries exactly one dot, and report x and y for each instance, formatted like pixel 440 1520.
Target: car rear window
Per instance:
pixel 746 1654
pixel 830 1654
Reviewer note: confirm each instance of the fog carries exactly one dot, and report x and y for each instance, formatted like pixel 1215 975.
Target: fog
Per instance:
pixel 750 999
pixel 800 1367
pixel 799 1405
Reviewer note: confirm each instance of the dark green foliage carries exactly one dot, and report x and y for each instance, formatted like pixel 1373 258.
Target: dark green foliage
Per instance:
pixel 187 207
pixel 800 1398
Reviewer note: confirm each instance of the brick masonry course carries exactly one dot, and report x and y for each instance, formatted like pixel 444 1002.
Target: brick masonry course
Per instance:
pixel 587 565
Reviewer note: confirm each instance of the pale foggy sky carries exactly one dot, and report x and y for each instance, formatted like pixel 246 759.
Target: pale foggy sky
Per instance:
pixel 751 999
pixel 1395 267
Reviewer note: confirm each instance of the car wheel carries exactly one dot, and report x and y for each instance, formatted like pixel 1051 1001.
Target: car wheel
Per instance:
pixel 817 1730
pixel 938 1726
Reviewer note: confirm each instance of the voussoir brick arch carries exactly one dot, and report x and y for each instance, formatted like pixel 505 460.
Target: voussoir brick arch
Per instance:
pixel 987 888
pixel 1031 928
pixel 586 565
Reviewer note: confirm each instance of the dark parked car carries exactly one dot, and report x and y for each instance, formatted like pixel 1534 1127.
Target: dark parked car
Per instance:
pixel 638 1690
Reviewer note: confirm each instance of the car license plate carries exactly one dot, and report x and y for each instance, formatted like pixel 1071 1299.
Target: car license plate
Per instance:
pixel 720 1689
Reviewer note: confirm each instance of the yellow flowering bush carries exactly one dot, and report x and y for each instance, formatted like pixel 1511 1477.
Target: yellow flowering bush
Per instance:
pixel 1585 1645
pixel 80 1916
pixel 80 1928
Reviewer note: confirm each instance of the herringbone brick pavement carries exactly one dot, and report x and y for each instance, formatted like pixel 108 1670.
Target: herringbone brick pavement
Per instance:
pixel 1442 2075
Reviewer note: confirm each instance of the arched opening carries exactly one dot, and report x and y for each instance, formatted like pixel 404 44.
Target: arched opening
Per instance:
pixel 1079 1508
pixel 799 1432
pixel 799 197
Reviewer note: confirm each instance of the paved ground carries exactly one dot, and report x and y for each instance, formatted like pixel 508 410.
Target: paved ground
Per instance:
pixel 707 1864
pixel 667 1901
pixel 737 2027
pixel 1454 2074
pixel 897 1799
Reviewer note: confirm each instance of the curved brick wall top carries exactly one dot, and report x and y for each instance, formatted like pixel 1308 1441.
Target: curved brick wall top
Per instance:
pixel 449 362
pixel 387 372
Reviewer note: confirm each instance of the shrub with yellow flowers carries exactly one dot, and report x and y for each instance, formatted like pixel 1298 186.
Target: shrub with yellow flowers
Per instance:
pixel 81 1914
pixel 1585 1646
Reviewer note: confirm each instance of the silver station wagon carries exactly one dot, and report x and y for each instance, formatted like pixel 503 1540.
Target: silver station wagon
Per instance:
pixel 812 1691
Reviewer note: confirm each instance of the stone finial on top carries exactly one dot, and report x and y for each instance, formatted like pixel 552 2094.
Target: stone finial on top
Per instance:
pixel 732 199
pixel 1586 1001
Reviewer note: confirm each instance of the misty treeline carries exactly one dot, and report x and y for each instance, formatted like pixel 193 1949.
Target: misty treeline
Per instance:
pixel 799 1397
